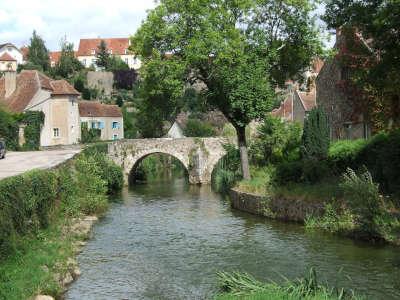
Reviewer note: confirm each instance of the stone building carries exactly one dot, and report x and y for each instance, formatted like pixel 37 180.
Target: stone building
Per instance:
pixel 107 118
pixel 347 120
pixel 57 99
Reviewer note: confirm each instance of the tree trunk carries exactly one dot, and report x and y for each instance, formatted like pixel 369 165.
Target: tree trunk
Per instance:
pixel 244 156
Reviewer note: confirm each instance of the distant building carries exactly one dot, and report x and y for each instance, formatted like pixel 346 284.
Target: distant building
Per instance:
pixel 54 58
pixel 107 118
pixel 88 49
pixel 12 51
pixel 347 120
pixel 7 62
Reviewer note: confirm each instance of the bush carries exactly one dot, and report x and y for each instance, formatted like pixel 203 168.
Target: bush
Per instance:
pixel 8 129
pixel 33 121
pixel 343 154
pixel 289 172
pixel 89 135
pixel 314 171
pixel 315 139
pixel 197 128
pixel 361 195
pixel 277 141
pixel 25 205
pixel 228 170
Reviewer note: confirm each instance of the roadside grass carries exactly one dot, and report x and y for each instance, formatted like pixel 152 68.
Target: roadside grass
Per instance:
pixel 31 269
pixel 241 286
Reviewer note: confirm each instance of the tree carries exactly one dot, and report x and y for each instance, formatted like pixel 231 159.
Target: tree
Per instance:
pixel 38 55
pixel 102 56
pixel 239 51
pixel 374 74
pixel 315 137
pixel 68 65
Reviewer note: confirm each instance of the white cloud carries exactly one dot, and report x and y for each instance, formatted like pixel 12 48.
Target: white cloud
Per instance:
pixel 75 19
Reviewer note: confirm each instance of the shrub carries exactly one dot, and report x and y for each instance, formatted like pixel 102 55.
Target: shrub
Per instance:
pixel 25 204
pixel 276 141
pixel 9 129
pixel 228 169
pixel 362 197
pixel 197 128
pixel 89 135
pixel 314 171
pixel 33 121
pixel 289 172
pixel 315 139
pixel 343 154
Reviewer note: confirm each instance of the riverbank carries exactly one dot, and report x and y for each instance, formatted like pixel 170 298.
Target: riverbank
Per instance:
pixel 322 206
pixel 46 217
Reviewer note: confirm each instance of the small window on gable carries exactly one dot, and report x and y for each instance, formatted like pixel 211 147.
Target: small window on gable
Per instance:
pixel 56 132
pixel 93 51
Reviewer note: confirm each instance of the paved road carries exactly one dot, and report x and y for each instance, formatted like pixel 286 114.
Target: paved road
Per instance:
pixel 19 162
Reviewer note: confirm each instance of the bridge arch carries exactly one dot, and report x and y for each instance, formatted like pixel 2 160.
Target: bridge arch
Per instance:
pixel 198 155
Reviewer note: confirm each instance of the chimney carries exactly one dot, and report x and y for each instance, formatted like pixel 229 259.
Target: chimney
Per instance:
pixel 10 77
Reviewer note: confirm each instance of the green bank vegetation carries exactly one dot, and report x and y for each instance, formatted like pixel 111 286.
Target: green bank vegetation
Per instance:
pixel 235 286
pixel 36 208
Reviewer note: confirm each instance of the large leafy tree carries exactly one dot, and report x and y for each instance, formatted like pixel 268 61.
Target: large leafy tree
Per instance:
pixel 374 74
pixel 68 65
pixel 237 50
pixel 38 55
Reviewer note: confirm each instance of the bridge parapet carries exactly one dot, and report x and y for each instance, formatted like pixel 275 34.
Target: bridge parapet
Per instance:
pixel 198 155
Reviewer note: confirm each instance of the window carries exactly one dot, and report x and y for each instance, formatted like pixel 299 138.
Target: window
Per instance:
pixel 93 51
pixel 115 125
pixel 56 132
pixel 127 60
pixel 110 51
pixel 84 62
pixel 115 137
pixel 94 125
pixel 100 125
pixel 126 51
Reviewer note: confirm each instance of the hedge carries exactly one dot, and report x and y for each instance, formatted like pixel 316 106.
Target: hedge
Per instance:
pixel 28 201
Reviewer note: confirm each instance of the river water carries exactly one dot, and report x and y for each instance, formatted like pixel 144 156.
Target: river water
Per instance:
pixel 167 240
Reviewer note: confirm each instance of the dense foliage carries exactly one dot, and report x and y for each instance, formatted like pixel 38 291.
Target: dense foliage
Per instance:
pixel 8 129
pixel 29 202
pixel 316 137
pixel 33 121
pixel 198 128
pixel 68 65
pixel 89 135
pixel 38 54
pixel 233 51
pixel 227 171
pixel 276 141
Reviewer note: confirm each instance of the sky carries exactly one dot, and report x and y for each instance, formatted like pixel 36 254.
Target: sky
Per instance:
pixel 74 19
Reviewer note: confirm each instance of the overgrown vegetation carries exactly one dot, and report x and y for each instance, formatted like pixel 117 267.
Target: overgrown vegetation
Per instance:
pixel 244 286
pixel 34 209
pixel 89 135
pixel 198 128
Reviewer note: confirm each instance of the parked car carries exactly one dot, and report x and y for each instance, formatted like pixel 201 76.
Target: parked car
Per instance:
pixel 2 149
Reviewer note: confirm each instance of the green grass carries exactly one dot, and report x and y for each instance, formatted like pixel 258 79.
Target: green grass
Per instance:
pixel 241 286
pixel 31 269
pixel 260 179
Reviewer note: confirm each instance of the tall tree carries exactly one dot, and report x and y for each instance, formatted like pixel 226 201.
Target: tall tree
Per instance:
pixel 238 50
pixel 375 73
pixel 102 56
pixel 38 55
pixel 68 65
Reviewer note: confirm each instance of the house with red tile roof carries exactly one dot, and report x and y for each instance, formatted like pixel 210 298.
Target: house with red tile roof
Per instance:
pixel 119 47
pixel 11 50
pixel 54 58
pixel 7 62
pixel 107 118
pixel 31 90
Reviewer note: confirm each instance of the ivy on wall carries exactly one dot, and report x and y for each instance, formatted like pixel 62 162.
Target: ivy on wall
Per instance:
pixel 9 129
pixel 33 121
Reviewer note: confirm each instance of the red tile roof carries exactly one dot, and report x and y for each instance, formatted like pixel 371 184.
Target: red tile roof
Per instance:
pixel 55 56
pixel 308 99
pixel 285 111
pixel 117 45
pixel 97 109
pixel 7 57
pixel 25 51
pixel 28 84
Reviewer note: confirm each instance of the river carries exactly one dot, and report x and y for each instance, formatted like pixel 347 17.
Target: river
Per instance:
pixel 167 240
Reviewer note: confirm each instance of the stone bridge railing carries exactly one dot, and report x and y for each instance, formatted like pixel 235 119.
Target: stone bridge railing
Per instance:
pixel 198 155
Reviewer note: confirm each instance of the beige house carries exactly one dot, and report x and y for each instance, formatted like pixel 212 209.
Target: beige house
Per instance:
pixel 119 47
pixel 107 118
pixel 7 62
pixel 57 99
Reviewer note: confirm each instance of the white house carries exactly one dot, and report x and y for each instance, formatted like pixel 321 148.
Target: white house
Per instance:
pixel 88 48
pixel 12 51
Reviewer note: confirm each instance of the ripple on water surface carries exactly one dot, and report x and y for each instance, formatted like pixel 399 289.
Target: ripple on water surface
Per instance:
pixel 167 240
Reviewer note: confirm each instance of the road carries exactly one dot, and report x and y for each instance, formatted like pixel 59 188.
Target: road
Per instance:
pixel 16 163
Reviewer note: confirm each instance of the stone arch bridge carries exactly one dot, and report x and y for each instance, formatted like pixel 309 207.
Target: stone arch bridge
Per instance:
pixel 198 155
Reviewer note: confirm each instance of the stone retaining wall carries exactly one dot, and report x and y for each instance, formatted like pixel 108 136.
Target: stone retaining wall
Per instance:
pixel 276 208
